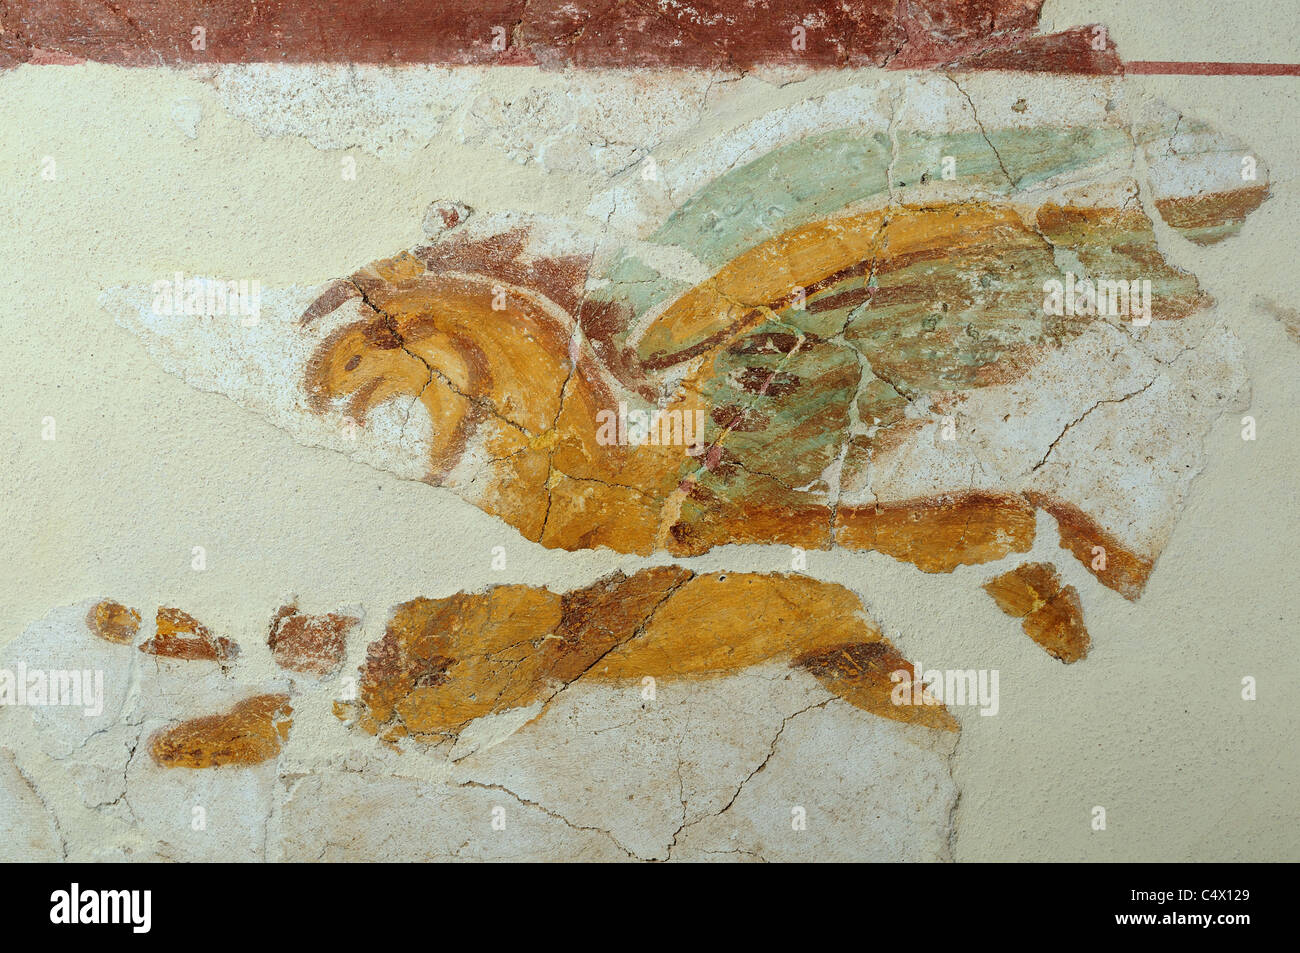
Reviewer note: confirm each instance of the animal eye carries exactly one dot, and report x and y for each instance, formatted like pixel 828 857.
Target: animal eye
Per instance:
pixel 352 363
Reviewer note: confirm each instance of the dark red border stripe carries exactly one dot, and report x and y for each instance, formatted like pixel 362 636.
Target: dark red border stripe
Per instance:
pixel 699 34
pixel 1195 68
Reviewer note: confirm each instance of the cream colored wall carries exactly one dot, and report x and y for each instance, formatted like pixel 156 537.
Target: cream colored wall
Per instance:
pixel 1151 725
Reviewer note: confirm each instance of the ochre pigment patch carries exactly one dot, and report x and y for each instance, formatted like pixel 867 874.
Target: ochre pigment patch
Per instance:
pixel 941 534
pixel 310 644
pixel 113 622
pixel 1210 218
pixel 1097 550
pixel 252 731
pixel 1053 615
pixel 180 636
pixel 865 674
pixel 1112 242
pixel 1204 183
pixel 442 663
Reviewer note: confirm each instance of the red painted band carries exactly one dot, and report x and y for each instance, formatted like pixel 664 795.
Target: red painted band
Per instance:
pixel 1195 68
pixel 580 34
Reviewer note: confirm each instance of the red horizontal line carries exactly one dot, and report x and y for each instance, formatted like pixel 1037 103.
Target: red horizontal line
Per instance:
pixel 1200 68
